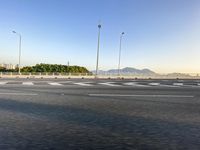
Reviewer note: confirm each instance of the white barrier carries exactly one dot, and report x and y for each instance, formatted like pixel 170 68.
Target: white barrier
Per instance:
pixel 88 76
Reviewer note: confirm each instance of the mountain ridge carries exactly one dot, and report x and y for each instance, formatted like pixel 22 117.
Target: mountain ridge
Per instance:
pixel 128 70
pixel 142 72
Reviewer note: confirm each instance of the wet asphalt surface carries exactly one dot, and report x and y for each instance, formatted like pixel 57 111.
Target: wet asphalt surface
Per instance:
pixel 99 117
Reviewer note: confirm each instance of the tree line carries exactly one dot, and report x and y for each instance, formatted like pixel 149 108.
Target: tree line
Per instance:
pixel 3 69
pixel 49 68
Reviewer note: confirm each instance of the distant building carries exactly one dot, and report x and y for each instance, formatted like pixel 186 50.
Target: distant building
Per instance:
pixel 8 66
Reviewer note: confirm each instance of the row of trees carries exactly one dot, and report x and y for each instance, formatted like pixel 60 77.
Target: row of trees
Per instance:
pixel 51 68
pixel 3 69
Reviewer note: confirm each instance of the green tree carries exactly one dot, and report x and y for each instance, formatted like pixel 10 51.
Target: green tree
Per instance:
pixel 50 68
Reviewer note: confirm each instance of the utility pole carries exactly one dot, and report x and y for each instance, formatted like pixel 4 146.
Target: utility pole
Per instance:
pixel 120 48
pixel 98 45
pixel 68 63
pixel 20 40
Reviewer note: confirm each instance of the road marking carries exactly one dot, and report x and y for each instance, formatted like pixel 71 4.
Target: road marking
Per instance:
pixel 197 85
pixel 63 82
pixel 181 80
pixel 135 84
pixel 27 83
pixel 178 84
pixel 165 85
pixel 84 84
pixel 109 84
pixel 132 95
pixel 19 94
pixel 154 84
pixel 3 83
pixel 55 84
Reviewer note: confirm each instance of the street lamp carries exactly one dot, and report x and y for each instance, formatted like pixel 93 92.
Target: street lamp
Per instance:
pixel 97 65
pixel 20 38
pixel 120 47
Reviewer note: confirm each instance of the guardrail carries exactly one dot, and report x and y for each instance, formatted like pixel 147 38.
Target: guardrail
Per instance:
pixel 44 75
pixel 89 75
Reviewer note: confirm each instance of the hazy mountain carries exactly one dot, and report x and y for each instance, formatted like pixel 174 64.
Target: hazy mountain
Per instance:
pixel 142 72
pixel 128 70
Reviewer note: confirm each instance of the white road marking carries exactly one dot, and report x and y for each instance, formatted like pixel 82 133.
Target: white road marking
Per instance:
pixel 135 84
pixel 19 94
pixel 27 83
pixel 166 85
pixel 3 83
pixel 84 83
pixel 65 82
pixel 55 84
pixel 193 86
pixel 133 95
pixel 154 84
pixel 109 84
pixel 178 84
pixel 181 80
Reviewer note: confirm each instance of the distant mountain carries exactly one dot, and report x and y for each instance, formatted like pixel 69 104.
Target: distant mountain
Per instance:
pixel 142 72
pixel 128 70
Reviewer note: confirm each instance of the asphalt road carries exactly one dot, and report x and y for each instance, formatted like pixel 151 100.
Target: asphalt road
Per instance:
pixel 99 114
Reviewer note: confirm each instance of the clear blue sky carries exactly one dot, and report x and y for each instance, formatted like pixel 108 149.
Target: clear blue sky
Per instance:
pixel 162 35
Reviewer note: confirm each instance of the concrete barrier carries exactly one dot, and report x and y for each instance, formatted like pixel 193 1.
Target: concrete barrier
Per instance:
pixel 59 76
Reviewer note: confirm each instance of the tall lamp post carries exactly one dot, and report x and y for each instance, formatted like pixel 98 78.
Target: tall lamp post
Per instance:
pixel 20 39
pixel 97 65
pixel 120 48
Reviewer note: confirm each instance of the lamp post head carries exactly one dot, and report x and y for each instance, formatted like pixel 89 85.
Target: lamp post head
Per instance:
pixel 123 33
pixel 99 26
pixel 16 33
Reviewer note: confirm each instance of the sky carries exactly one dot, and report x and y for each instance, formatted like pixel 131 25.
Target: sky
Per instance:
pixel 162 35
